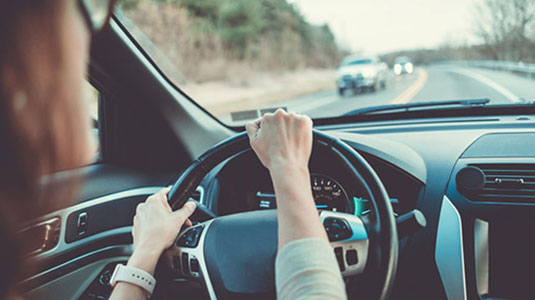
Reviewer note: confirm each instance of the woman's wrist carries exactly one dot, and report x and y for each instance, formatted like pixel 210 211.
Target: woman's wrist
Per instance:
pixel 286 170
pixel 293 181
pixel 144 259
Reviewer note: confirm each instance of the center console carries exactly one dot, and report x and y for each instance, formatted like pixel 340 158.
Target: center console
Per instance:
pixel 485 241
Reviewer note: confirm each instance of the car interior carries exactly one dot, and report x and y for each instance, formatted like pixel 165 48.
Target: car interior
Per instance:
pixel 418 204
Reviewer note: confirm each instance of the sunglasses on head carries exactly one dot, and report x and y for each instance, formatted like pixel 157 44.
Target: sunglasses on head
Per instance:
pixel 97 13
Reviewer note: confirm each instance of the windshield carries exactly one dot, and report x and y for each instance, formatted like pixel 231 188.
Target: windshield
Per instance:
pixel 241 58
pixel 402 60
pixel 357 62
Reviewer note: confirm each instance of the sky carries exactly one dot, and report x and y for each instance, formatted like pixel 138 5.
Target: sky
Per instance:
pixel 381 26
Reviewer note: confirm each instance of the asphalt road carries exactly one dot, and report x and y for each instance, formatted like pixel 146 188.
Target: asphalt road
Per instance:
pixel 433 83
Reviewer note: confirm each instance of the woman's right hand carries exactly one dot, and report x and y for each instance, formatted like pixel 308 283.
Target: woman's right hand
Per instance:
pixel 156 226
pixel 281 140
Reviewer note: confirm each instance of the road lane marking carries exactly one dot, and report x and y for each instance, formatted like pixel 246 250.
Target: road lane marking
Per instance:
pixel 413 89
pixel 493 84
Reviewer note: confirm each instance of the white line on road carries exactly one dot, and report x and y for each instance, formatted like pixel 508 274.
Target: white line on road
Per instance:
pixel 498 87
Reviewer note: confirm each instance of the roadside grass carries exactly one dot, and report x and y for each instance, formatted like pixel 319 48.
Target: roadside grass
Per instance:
pixel 220 97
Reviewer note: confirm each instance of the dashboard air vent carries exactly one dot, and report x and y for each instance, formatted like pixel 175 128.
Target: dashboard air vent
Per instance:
pixel 502 183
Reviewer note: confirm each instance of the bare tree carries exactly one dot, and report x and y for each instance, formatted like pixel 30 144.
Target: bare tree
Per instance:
pixel 506 28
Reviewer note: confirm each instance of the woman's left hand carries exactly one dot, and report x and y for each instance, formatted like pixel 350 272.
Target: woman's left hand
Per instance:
pixel 156 226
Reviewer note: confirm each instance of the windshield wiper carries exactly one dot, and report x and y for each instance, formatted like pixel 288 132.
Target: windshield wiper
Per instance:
pixel 416 105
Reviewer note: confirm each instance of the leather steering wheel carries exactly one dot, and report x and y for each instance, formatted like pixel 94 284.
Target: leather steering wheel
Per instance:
pixel 234 255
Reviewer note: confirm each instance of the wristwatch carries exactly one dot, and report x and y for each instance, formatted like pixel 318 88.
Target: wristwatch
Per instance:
pixel 133 276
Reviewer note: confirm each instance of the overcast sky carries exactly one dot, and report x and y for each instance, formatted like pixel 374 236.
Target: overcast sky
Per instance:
pixel 380 26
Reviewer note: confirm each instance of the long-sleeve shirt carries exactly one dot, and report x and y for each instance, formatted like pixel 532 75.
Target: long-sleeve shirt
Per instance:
pixel 307 269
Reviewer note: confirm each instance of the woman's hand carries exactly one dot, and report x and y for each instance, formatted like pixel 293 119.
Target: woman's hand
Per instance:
pixel 156 226
pixel 281 140
pixel 283 143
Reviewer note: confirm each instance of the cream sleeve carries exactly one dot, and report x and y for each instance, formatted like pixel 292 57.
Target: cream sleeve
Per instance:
pixel 307 269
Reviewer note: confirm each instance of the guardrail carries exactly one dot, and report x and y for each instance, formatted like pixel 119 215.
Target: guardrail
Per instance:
pixel 513 67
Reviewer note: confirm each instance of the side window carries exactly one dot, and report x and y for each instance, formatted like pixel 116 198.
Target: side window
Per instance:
pixel 92 95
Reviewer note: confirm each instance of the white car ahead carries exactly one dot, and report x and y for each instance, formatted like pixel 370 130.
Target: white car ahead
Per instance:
pixel 359 73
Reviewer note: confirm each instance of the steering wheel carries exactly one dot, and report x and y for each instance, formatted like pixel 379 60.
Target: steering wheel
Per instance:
pixel 233 256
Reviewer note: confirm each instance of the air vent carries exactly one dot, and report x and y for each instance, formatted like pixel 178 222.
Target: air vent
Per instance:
pixel 503 183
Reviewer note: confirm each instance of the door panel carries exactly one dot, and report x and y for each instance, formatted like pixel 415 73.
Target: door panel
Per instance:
pixel 74 284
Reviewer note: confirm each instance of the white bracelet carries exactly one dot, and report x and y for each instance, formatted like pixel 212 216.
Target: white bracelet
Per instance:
pixel 134 276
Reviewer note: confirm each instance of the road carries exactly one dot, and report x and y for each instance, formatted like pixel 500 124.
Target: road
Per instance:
pixel 432 83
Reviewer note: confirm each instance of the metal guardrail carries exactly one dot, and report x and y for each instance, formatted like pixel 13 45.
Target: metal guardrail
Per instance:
pixel 513 67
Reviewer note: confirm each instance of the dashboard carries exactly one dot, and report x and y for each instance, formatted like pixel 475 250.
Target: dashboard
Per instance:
pixel 467 249
pixel 243 184
pixel 476 243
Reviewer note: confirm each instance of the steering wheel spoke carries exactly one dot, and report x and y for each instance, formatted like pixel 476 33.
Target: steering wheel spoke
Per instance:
pixel 186 258
pixel 349 238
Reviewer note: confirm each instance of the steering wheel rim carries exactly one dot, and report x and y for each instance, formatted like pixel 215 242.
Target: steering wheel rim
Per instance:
pixel 380 223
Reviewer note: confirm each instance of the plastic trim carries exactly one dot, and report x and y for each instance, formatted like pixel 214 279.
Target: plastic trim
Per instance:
pixel 40 279
pixel 64 213
pixel 481 254
pixel 449 251
pixel 197 253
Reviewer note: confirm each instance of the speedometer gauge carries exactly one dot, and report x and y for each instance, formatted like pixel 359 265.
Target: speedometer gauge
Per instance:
pixel 328 193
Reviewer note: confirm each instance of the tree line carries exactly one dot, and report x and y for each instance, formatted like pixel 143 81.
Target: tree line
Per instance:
pixel 270 34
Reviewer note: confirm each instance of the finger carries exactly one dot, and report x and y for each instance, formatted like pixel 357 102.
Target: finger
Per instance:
pixel 258 121
pixel 161 195
pixel 134 225
pixel 266 117
pixel 166 190
pixel 279 114
pixel 305 122
pixel 151 197
pixel 186 211
pixel 188 223
pixel 252 128
pixel 165 203
pixel 139 208
pixel 308 119
pixel 155 197
pixel 280 111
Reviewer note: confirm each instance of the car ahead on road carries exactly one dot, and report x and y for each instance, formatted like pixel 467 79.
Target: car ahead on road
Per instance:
pixel 403 65
pixel 358 73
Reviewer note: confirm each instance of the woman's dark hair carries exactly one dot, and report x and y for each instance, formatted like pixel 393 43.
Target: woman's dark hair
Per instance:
pixel 36 127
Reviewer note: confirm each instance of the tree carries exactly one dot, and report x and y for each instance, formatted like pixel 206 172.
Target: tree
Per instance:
pixel 506 28
pixel 239 23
